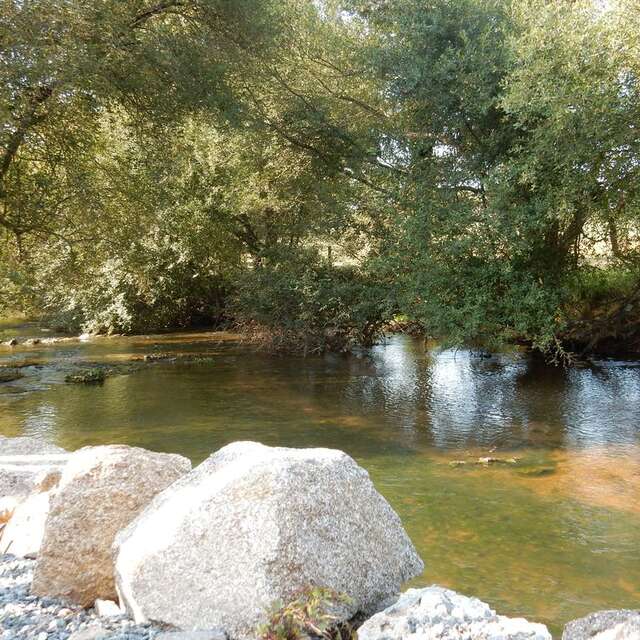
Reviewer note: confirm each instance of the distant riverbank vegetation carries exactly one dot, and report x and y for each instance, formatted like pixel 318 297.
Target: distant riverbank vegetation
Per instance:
pixel 311 170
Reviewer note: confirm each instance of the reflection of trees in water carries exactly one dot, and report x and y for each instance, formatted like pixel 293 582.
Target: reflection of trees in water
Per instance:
pixel 602 405
pixel 443 398
pixel 390 386
pixel 399 395
pixel 453 399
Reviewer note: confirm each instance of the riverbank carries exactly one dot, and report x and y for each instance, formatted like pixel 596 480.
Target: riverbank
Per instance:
pixel 582 344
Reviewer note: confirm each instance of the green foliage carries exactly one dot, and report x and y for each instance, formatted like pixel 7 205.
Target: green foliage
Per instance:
pixel 474 165
pixel 308 615
pixel 522 159
pixel 305 304
pixel 88 376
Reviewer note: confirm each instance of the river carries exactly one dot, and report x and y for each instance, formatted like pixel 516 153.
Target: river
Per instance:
pixel 551 532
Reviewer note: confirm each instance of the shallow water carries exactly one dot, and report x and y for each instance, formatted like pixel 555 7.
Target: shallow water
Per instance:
pixel 552 533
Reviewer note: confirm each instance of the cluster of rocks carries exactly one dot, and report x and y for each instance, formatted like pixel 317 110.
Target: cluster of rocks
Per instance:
pixel 24 615
pixel 621 624
pixel 30 342
pixel 437 613
pixel 210 549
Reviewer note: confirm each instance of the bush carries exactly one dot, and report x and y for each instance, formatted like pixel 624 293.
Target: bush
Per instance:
pixel 309 306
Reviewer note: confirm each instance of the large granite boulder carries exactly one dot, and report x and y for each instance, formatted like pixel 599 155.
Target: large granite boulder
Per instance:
pixel 621 624
pixel 254 524
pixel 28 465
pixel 102 490
pixel 435 613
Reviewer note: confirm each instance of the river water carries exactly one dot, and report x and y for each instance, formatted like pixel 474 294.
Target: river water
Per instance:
pixel 550 533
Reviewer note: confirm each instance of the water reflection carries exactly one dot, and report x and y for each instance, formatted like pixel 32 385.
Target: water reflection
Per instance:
pixel 42 422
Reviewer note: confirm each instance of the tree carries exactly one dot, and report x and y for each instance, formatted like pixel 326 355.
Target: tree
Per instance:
pixel 521 149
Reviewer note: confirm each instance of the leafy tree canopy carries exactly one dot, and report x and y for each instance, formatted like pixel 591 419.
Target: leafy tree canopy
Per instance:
pixel 471 164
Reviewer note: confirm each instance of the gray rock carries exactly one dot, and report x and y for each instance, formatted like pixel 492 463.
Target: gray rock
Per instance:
pixel 254 524
pixel 435 613
pixel 617 624
pixel 101 491
pixel 212 634
pixel 27 465
pixel 94 632
pixel 27 445
pixel 107 608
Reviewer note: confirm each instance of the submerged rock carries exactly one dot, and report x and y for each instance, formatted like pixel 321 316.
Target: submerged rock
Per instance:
pixel 435 613
pixel 9 374
pixel 101 491
pixel 156 357
pixel 484 461
pixel 621 624
pixel 254 524
pixel 87 376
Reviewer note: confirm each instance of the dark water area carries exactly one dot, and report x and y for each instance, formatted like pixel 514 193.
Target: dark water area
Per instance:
pixel 549 531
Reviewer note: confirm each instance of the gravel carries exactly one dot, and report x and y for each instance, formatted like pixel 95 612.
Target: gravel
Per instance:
pixel 27 617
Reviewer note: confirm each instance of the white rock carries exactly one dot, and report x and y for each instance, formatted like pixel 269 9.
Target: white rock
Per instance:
pixel 107 608
pixel 253 524
pixel 23 534
pixel 27 465
pixel 27 445
pixel 435 613
pixel 615 624
pixel 101 491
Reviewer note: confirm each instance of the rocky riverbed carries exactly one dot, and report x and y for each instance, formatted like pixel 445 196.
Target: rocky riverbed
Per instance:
pixel 33 618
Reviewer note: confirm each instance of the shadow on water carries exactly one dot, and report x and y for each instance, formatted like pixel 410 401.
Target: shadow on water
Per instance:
pixel 551 536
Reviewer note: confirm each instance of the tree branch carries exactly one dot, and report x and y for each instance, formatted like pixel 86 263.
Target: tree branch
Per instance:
pixel 28 119
pixel 161 7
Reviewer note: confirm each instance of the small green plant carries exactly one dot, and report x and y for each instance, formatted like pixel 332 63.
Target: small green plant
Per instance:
pixel 308 615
